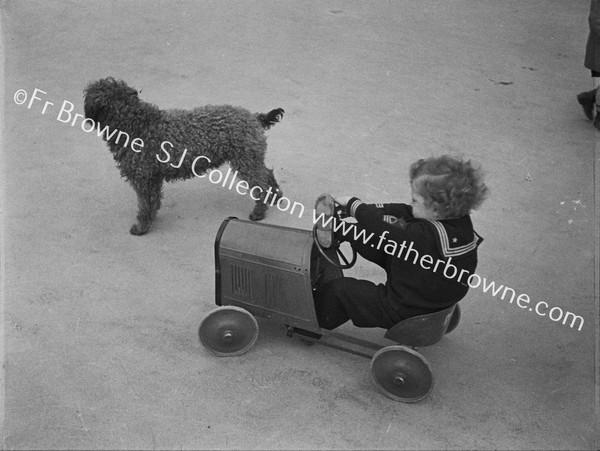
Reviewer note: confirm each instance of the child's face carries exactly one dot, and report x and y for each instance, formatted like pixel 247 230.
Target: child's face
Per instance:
pixel 419 209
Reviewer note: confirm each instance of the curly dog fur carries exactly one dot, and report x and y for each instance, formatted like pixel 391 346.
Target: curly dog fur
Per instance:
pixel 178 144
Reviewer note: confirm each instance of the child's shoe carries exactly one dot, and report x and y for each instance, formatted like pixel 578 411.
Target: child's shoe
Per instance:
pixel 587 101
pixel 324 212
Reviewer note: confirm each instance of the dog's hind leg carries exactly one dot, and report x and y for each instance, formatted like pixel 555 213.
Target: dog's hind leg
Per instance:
pixel 268 188
pixel 273 183
pixel 148 194
pixel 156 194
pixel 260 208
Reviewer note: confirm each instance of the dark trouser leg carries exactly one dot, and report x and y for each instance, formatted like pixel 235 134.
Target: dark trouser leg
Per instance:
pixel 346 298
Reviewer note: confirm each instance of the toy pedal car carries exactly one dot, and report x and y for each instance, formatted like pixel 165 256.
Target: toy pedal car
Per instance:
pixel 269 271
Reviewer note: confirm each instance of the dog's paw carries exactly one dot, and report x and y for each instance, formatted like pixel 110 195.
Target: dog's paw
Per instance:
pixel 257 216
pixel 138 230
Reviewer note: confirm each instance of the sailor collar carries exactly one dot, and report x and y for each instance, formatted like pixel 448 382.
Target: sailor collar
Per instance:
pixel 453 239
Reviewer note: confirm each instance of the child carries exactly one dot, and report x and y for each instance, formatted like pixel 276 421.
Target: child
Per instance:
pixel 428 249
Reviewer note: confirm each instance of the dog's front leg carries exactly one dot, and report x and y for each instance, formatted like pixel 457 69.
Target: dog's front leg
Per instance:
pixel 147 206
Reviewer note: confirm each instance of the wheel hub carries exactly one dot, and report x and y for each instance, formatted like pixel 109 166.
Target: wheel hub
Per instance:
pixel 399 380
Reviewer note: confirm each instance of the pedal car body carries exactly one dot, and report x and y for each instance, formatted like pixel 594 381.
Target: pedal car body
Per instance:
pixel 266 269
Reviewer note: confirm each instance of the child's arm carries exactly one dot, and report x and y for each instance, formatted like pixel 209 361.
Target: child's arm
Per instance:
pixel 403 211
pixel 397 210
pixel 370 216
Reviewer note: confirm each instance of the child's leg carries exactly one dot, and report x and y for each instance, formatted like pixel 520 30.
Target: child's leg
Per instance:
pixel 361 301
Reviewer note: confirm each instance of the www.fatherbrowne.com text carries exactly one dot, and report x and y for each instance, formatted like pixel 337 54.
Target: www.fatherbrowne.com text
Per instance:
pixel 447 269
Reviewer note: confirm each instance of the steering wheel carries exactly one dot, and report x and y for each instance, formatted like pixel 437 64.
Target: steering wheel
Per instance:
pixel 336 246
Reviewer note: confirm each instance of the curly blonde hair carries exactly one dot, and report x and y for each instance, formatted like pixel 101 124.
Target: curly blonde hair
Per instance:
pixel 449 186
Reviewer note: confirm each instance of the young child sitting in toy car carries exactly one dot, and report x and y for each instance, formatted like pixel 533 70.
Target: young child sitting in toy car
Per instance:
pixel 428 249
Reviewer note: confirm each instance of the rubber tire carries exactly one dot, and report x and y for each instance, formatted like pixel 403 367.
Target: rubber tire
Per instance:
pixel 228 331
pixel 401 373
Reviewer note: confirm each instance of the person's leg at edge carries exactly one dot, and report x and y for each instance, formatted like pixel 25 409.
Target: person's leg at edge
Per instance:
pixel 595 79
pixel 589 100
pixel 596 83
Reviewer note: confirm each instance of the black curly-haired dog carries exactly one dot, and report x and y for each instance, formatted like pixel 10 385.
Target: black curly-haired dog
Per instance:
pixel 152 146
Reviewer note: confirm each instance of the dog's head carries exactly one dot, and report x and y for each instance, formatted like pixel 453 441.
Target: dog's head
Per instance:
pixel 108 98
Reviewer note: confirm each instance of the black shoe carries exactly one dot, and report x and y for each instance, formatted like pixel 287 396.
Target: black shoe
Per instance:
pixel 587 100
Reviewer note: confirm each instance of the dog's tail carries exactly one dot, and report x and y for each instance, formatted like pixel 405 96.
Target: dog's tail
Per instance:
pixel 271 118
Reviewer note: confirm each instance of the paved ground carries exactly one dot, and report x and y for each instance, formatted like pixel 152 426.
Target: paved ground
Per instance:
pixel 100 345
